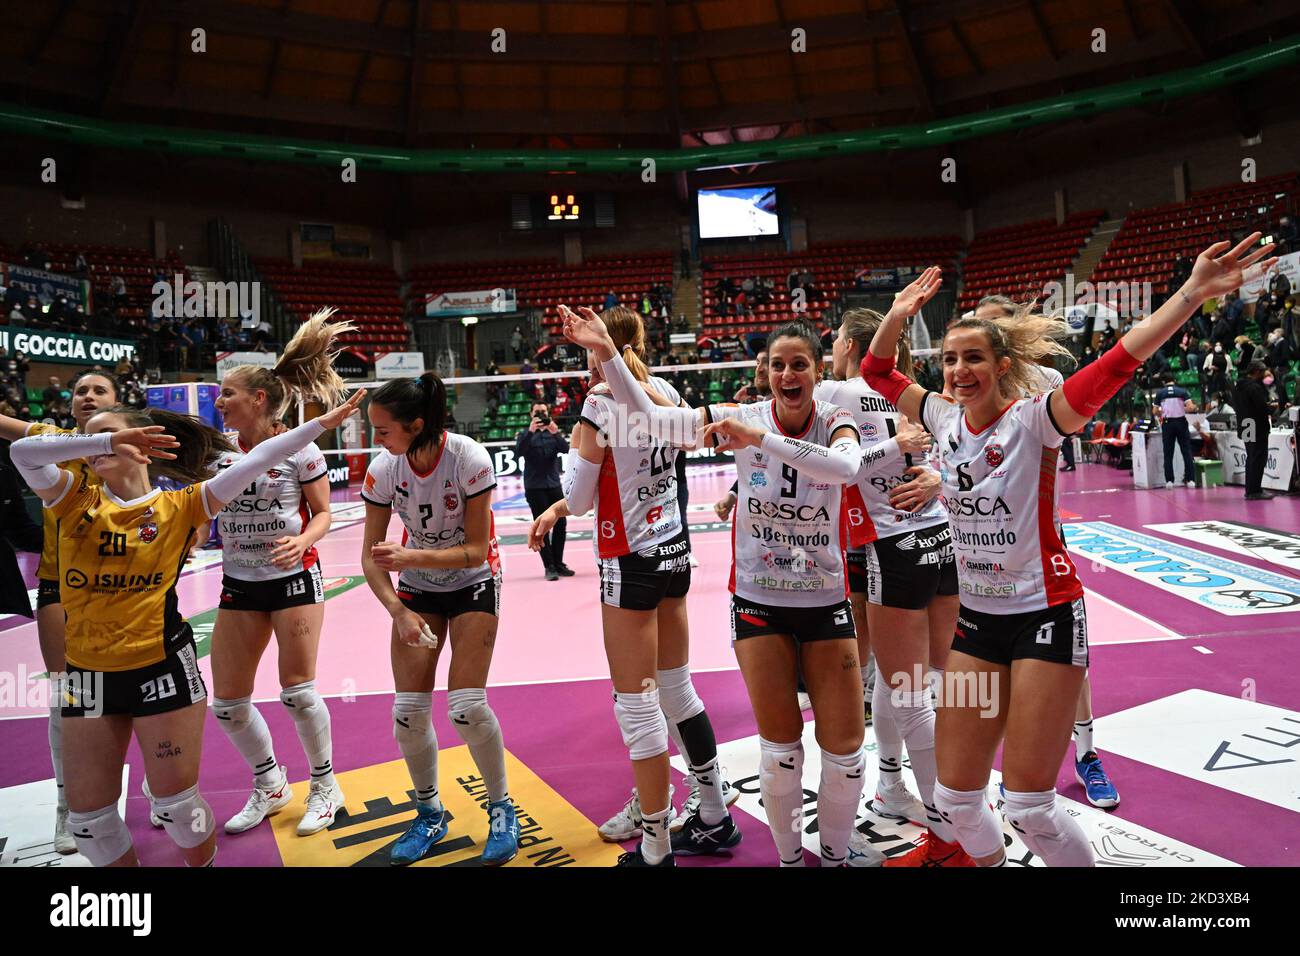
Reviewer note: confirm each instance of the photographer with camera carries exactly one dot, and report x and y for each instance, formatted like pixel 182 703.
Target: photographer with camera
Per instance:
pixel 538 450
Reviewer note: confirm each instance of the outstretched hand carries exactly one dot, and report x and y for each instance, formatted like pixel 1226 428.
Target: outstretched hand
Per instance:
pixel 585 328
pixel 1218 270
pixel 908 302
pixel 141 444
pixel 337 416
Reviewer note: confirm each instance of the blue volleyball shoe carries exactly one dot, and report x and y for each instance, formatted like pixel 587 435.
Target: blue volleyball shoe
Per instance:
pixel 1101 792
pixel 429 827
pixel 503 834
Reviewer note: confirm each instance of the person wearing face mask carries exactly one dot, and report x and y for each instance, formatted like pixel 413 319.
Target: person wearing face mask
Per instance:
pixel 1216 369
pixel 1171 401
pixel 1253 421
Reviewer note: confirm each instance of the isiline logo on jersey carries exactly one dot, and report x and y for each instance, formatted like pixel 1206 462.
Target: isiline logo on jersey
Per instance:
pixel 74 578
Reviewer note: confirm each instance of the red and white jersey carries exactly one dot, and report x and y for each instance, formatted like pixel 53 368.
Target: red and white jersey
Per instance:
pixel 999 486
pixel 432 505
pixel 788 532
pixel 870 515
pixel 636 497
pixel 271 507
pixel 1049 379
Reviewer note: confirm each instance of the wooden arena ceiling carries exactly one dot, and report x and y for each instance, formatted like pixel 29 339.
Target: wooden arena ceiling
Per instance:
pixel 592 73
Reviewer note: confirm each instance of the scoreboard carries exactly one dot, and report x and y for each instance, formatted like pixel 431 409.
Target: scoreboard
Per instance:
pixel 561 209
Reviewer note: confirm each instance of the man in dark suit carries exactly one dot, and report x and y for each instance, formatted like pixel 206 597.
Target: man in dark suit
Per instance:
pixel 1253 424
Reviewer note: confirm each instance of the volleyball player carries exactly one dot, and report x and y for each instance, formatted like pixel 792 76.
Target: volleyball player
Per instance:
pixel 91 392
pixel 903 577
pixel 643 555
pixel 1022 623
pixel 449 582
pixel 1088 770
pixel 789 608
pixel 130 655
pixel 272 578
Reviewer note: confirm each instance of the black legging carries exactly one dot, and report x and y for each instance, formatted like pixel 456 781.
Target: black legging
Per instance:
pixel 539 499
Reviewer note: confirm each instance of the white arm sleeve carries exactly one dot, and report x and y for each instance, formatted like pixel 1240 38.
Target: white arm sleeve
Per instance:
pixel 227 484
pixel 879 456
pixel 675 426
pixel 837 464
pixel 580 485
pixel 37 457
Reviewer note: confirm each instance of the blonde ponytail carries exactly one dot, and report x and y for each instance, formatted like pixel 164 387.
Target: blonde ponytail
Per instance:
pixel 305 370
pixel 628 332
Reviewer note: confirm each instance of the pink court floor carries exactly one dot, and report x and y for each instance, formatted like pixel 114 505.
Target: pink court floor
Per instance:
pixel 1194 621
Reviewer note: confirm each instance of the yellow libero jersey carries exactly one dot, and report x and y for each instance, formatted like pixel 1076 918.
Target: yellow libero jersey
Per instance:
pixel 120 561
pixel 48 569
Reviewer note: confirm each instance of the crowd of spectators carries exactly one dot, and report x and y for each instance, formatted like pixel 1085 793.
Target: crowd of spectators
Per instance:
pixel 50 401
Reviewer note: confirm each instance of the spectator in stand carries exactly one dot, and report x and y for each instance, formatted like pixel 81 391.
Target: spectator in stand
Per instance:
pixel 80 268
pixel 1221 331
pixel 53 392
pixel 32 313
pixel 117 291
pixel 611 300
pixel 1254 422
pixel 1280 354
pixel 1280 286
pixel 808 283
pixel 1236 312
pixel 1216 369
pixel 1264 315
pixel 517 342
pixel 1245 350
pixel 792 280
pixel 1182 270
pixel 262 336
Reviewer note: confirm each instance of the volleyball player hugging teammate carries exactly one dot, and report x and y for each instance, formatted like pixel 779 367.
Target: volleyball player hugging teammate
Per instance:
pixel 131 659
pixel 272 578
pixel 904 573
pixel 1022 624
pixel 645 572
pixel 449 580
pixel 91 392
pixel 1088 770
pixel 789 609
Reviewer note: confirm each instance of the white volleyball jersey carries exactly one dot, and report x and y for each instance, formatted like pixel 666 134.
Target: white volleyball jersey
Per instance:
pixel 636 497
pixel 432 507
pixel 999 486
pixel 272 506
pixel 788 531
pixel 1048 379
pixel 869 513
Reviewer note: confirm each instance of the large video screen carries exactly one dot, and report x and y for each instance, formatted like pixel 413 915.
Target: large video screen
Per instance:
pixel 734 213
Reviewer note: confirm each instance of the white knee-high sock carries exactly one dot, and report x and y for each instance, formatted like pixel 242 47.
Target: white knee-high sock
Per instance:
pixel 780 781
pixel 655 840
pixel 477 725
pixel 914 715
pixel 311 718
pixel 688 725
pixel 246 728
pixel 56 747
pixel 838 797
pixel 889 742
pixel 418 742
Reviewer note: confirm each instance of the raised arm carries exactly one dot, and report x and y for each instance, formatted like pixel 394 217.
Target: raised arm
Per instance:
pixel 1218 270
pixel 878 365
pixel 224 486
pixel 37 458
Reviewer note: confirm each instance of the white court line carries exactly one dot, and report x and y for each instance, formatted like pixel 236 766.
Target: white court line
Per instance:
pixel 1203 650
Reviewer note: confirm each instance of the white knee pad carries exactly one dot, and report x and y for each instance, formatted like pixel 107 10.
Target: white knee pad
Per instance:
pixel 302 700
pixel 973 823
pixel 780 769
pixel 186 817
pixel 234 715
pixel 843 776
pixel 1046 829
pixel 412 716
pixel 677 694
pixel 471 716
pixel 101 835
pixel 645 732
